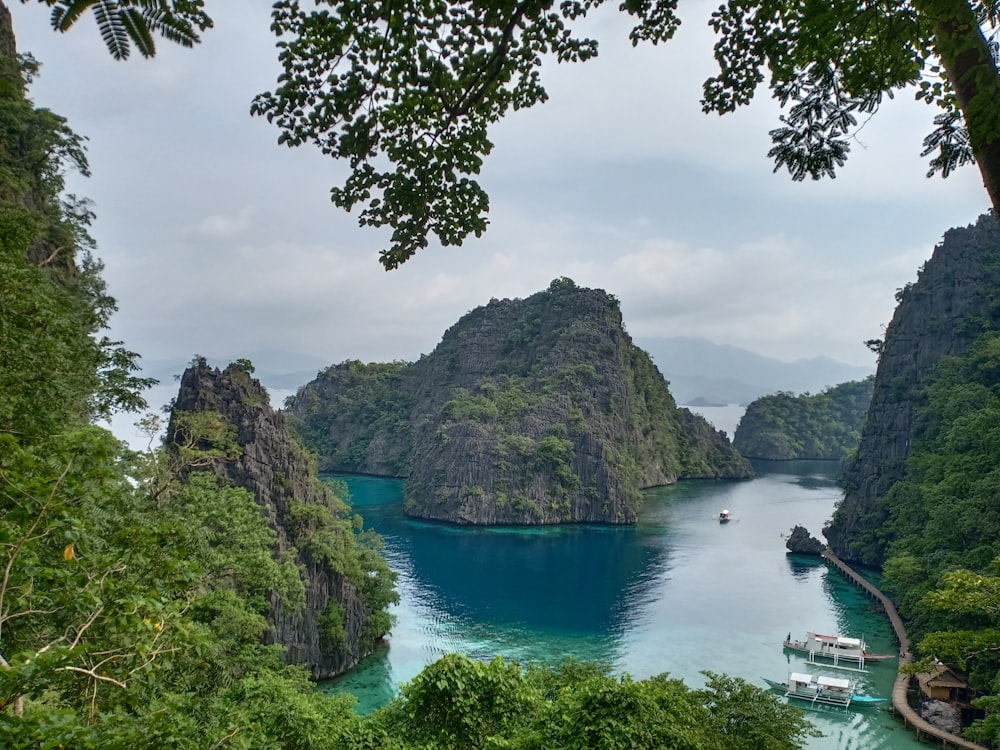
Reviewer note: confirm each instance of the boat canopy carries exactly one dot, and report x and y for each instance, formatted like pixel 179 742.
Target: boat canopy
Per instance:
pixel 834 682
pixel 800 677
pixel 838 639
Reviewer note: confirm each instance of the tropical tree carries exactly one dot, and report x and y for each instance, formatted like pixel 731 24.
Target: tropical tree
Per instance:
pixel 406 91
pixel 460 703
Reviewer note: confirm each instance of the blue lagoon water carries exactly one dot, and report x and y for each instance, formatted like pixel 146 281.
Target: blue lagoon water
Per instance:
pixel 677 593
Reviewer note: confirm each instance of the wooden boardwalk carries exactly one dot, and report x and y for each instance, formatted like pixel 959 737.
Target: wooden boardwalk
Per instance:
pixel 900 706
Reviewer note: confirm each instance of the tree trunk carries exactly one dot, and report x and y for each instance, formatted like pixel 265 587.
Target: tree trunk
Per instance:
pixel 966 58
pixel 18 707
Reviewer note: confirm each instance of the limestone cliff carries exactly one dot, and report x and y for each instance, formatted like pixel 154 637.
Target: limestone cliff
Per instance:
pixel 282 476
pixel 952 302
pixel 533 411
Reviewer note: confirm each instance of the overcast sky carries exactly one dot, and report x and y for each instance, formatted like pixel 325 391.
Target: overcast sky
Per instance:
pixel 217 241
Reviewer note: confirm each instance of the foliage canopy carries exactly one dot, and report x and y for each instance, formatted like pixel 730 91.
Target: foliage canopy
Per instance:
pixel 825 425
pixel 406 92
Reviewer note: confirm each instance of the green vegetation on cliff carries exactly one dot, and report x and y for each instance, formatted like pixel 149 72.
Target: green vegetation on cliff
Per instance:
pixel 826 425
pixel 531 411
pixel 348 585
pixel 943 527
pixel 921 492
pixel 137 587
pixel 953 301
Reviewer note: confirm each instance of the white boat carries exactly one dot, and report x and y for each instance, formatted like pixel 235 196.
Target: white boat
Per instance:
pixel 724 516
pixel 835 691
pixel 835 648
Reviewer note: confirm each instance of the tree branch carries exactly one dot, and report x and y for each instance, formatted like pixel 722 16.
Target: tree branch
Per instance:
pixel 90 673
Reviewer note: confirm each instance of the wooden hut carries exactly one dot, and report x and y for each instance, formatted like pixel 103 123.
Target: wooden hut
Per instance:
pixel 944 684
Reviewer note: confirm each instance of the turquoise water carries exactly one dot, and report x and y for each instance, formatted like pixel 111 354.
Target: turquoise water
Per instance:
pixel 677 593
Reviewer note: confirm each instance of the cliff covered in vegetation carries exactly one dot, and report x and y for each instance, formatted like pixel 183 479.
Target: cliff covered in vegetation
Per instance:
pixel 138 584
pixel 826 425
pixel 952 303
pixel 922 500
pixel 347 584
pixel 533 411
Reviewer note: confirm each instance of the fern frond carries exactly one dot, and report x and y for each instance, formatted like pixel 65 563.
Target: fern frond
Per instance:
pixel 109 20
pixel 170 26
pixel 138 31
pixel 124 22
pixel 67 12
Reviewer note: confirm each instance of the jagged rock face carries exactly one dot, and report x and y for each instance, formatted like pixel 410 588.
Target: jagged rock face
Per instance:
pixel 274 467
pixel 949 306
pixel 942 715
pixel 801 542
pixel 534 411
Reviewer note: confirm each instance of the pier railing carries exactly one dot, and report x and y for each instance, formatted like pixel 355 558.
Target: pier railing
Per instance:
pixel 900 705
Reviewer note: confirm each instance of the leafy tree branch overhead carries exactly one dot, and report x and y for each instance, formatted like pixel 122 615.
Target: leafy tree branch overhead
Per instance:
pixel 127 23
pixel 405 91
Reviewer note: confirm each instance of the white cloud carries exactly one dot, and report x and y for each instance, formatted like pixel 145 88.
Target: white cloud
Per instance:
pixel 217 240
pixel 221 227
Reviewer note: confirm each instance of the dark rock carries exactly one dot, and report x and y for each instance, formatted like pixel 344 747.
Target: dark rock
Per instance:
pixel 942 715
pixel 801 542
pixel 952 302
pixel 277 470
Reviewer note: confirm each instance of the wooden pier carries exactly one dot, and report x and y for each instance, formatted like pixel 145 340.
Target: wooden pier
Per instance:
pixel 900 705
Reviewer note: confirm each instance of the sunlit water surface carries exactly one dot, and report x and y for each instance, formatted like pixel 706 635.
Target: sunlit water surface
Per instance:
pixel 677 593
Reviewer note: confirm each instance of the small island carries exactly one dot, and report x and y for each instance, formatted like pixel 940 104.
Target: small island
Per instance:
pixel 701 402
pixel 528 412
pixel 824 426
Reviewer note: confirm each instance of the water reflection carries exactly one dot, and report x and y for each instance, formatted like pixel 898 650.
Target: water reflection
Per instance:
pixel 804 567
pixel 520 578
pixel 677 593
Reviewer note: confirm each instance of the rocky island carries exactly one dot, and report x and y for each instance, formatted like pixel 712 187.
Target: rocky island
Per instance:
pixel 825 426
pixel 347 583
pixel 529 411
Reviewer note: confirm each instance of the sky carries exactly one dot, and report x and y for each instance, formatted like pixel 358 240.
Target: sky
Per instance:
pixel 217 241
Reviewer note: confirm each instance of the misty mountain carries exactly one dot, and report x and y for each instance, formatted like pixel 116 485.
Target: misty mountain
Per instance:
pixel 700 371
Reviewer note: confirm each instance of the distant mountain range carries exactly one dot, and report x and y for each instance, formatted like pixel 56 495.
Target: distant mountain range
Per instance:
pixel 699 372
pixel 704 373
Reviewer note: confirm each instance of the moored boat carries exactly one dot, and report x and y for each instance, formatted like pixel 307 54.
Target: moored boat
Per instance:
pixel 822 689
pixel 835 648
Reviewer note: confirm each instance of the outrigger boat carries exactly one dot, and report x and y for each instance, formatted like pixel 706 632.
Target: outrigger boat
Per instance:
pixel 724 516
pixel 835 648
pixel 835 691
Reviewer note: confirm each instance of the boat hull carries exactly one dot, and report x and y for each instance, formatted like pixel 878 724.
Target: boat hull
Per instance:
pixel 817 650
pixel 819 696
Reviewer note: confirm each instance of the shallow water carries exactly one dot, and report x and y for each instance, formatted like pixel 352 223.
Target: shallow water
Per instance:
pixel 678 593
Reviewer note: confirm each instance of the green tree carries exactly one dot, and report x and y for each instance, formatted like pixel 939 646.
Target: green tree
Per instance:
pixel 406 92
pixel 460 703
pixel 56 367
pixel 751 719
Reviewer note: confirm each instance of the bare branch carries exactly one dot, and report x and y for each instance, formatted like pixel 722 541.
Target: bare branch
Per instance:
pixel 90 673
